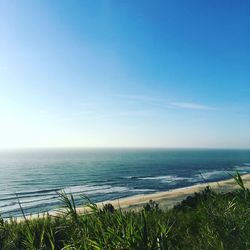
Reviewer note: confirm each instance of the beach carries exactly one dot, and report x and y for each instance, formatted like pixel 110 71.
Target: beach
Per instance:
pixel 170 198
pixel 165 199
pixel 35 177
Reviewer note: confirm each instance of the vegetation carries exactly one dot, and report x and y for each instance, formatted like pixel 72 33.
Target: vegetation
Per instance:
pixel 207 220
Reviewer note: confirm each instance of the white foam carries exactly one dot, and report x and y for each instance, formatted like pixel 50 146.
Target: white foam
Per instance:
pixel 210 175
pixel 143 190
pixel 243 169
pixel 103 189
pixel 47 199
pixel 84 188
pixel 165 178
pixel 109 190
pixel 161 177
pixel 88 189
pixel 30 200
pixel 16 206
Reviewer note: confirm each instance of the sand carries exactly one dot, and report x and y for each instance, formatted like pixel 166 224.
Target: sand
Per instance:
pixel 165 199
pixel 173 197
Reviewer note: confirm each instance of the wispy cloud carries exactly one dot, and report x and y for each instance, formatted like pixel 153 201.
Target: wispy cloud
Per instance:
pixel 122 113
pixel 138 113
pixel 144 99
pixel 164 103
pixel 190 105
pixel 139 97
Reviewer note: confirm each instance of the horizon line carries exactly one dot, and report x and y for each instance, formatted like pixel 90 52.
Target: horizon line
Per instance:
pixel 121 147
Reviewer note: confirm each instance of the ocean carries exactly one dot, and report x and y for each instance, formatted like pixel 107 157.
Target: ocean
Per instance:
pixel 35 176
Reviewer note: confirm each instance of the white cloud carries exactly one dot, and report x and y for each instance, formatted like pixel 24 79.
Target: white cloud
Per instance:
pixel 144 99
pixel 139 97
pixel 134 113
pixel 190 105
pixel 151 100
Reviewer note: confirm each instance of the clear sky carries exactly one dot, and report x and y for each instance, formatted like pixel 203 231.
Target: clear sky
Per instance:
pixel 124 73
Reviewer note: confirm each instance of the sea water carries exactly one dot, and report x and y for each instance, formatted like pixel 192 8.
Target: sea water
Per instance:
pixel 34 177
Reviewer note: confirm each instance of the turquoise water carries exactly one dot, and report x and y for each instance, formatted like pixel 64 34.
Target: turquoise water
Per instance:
pixel 34 176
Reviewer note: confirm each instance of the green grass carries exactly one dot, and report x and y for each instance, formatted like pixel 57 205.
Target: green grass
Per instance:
pixel 206 220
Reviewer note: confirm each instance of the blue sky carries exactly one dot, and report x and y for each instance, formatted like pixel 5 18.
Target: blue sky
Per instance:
pixel 124 74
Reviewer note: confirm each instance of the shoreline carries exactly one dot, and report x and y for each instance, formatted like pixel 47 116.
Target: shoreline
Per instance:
pixel 174 196
pixel 165 199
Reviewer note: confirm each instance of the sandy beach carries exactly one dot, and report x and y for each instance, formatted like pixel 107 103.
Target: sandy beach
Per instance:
pixel 172 197
pixel 165 199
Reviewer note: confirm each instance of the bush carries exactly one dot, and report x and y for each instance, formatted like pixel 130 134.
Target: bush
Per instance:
pixel 206 220
pixel 108 208
pixel 151 206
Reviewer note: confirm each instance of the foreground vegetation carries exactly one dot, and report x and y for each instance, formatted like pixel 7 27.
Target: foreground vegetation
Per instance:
pixel 207 220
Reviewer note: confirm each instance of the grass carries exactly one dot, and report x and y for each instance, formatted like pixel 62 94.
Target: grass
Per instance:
pixel 206 220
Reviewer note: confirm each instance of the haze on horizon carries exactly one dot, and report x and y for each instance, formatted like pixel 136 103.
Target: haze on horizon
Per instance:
pixel 124 74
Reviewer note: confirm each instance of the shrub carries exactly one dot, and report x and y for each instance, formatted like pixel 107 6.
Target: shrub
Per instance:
pixel 108 208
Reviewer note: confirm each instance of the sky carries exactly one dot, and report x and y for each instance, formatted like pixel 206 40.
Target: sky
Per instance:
pixel 124 74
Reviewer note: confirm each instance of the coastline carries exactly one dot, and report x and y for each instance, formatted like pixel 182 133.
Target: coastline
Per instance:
pixel 166 199
pixel 172 197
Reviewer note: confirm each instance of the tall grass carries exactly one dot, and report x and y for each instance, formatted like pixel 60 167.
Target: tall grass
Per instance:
pixel 206 220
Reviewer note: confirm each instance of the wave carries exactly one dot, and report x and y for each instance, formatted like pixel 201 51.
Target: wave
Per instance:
pixel 214 174
pixel 130 177
pixel 210 175
pixel 9 196
pixel 15 207
pixel 88 189
pixel 39 191
pixel 244 169
pixel 103 189
pixel 44 203
pixel 33 199
pixel 143 190
pixel 161 177
pixel 29 200
pixel 28 193
pixel 165 178
pixel 52 199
